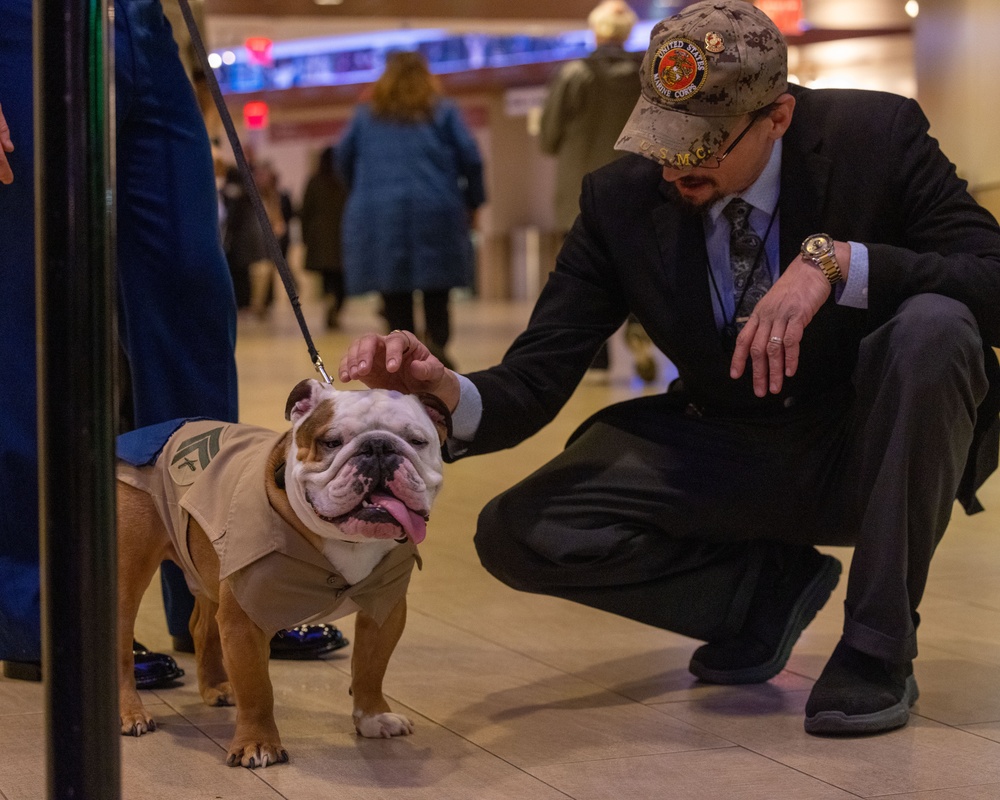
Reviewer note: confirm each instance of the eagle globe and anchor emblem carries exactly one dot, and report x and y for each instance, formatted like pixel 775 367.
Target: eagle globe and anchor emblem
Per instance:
pixel 679 69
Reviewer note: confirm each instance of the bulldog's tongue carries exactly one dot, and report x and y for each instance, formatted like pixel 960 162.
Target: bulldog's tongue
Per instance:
pixel 413 524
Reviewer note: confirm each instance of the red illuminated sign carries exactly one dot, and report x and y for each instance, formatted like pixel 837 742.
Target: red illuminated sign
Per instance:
pixel 259 50
pixel 255 115
pixel 786 14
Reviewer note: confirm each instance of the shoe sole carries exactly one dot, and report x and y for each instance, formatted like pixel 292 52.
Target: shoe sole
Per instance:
pixel 163 682
pixel 309 655
pixel 22 670
pixel 812 599
pixel 837 723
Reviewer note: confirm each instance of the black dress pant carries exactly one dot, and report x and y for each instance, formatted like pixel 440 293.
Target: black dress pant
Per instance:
pixel 671 527
pixel 437 318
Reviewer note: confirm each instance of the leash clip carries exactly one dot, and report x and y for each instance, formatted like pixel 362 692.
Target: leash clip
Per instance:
pixel 318 363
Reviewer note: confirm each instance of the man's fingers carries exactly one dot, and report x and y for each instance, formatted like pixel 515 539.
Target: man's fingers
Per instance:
pixel 360 357
pixel 760 358
pixel 776 345
pixel 742 352
pixel 397 345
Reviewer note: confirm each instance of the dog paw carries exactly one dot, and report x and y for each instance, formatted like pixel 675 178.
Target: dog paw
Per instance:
pixel 382 726
pixel 137 723
pixel 220 695
pixel 256 754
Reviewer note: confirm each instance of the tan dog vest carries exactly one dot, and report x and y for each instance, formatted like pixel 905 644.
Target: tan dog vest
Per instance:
pixel 215 472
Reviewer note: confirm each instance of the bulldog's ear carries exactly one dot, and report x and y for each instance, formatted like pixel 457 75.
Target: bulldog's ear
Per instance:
pixel 302 400
pixel 439 414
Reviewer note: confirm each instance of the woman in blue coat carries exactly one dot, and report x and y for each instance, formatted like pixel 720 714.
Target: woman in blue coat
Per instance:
pixel 416 180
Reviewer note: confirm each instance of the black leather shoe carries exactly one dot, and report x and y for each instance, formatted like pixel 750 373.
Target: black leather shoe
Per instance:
pixel 307 642
pixel 860 694
pixel 154 670
pixel 22 670
pixel 785 602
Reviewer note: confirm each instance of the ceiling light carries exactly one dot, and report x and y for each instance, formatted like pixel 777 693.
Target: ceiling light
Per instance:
pixel 912 8
pixel 328 2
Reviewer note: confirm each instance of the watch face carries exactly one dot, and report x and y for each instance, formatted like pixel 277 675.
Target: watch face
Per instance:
pixel 817 245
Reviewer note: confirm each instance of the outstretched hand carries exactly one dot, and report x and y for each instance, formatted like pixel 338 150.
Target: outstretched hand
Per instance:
pixel 6 146
pixel 399 361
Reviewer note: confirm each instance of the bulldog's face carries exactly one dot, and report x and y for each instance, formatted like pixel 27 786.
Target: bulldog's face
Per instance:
pixel 363 464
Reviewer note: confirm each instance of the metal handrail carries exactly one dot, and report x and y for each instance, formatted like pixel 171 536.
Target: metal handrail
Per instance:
pixel 75 322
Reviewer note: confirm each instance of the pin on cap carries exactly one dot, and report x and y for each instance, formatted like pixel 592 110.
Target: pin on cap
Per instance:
pixel 706 68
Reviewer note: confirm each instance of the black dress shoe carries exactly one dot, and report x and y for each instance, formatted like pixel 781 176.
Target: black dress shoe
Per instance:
pixel 786 600
pixel 154 670
pixel 302 643
pixel 859 694
pixel 22 670
pixel 307 642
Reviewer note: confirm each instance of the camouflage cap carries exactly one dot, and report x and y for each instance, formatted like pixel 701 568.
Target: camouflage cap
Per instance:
pixel 705 69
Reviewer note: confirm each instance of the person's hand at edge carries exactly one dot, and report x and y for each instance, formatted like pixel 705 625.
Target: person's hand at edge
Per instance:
pixel 399 361
pixel 6 146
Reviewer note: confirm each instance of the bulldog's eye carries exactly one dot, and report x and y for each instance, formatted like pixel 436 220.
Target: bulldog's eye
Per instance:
pixel 331 444
pixel 416 442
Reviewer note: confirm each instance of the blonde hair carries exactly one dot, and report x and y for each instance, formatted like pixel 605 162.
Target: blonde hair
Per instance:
pixel 406 90
pixel 612 20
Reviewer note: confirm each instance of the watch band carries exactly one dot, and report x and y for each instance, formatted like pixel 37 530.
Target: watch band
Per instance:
pixel 829 266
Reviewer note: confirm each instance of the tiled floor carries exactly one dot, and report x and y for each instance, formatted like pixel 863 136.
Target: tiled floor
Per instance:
pixel 530 698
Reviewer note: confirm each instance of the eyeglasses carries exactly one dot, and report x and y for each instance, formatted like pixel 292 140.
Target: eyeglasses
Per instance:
pixel 754 118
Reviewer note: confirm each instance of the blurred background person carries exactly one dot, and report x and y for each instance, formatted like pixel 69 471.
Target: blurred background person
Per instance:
pixel 279 210
pixel 588 103
pixel 416 180
pixel 321 215
pixel 242 237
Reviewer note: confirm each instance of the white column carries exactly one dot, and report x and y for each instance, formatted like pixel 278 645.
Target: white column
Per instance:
pixel 958 84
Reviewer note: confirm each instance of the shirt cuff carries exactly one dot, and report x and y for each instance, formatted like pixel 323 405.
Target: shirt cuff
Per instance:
pixel 466 418
pixel 854 292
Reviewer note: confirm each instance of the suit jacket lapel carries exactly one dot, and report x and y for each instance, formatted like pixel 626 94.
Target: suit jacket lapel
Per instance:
pixel 804 178
pixel 680 243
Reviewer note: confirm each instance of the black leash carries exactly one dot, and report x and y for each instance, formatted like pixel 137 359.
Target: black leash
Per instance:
pixel 274 250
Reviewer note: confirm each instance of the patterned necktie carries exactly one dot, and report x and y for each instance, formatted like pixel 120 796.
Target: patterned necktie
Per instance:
pixel 744 253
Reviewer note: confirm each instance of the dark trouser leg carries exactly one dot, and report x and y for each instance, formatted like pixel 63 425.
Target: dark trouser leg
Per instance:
pixel 178 602
pixel 437 319
pixel 20 619
pixel 919 380
pixel 669 531
pixel 398 310
pixel 333 285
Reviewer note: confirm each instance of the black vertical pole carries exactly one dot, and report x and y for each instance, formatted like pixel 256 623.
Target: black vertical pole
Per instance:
pixel 75 311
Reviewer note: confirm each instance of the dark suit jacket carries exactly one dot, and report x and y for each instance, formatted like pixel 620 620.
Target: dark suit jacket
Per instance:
pixel 860 166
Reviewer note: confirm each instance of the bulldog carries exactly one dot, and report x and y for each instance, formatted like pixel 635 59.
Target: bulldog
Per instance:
pixel 275 530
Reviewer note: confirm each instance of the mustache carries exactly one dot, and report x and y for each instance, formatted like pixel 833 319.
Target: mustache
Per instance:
pixel 691 182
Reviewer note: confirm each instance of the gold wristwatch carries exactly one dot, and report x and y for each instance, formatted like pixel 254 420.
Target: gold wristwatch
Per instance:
pixel 818 251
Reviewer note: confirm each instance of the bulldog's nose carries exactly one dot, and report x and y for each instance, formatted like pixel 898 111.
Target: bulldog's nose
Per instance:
pixel 378 447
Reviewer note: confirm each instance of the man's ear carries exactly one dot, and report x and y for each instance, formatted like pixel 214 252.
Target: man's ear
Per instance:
pixel 302 399
pixel 781 115
pixel 439 414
